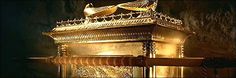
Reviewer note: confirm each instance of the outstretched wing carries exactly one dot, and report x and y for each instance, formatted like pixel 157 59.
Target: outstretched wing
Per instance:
pixel 99 11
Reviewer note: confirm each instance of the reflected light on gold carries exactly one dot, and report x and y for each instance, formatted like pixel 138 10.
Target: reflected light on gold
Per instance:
pixel 90 11
pixel 176 40
pixel 167 50
pixel 107 53
pixel 162 71
pixel 107 50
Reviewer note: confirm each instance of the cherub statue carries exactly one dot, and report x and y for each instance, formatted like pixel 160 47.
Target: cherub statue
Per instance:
pixel 139 5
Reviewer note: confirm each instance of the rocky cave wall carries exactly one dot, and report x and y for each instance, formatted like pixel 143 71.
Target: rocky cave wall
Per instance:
pixel 24 21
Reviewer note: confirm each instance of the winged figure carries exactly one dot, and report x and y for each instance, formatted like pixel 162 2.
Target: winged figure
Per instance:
pixel 139 5
pixel 90 11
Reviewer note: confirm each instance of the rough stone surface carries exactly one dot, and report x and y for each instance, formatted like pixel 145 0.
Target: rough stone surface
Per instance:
pixel 22 24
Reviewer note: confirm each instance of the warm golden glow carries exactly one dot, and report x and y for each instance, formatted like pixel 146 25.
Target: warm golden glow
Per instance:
pixel 101 71
pixel 167 50
pixel 139 5
pixel 102 33
pixel 162 71
pixel 108 49
pixel 176 40
pixel 99 11
pixel 107 53
pixel 165 71
pixel 90 11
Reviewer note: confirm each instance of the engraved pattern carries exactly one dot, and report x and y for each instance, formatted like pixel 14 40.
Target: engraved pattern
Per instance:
pixel 102 71
pixel 120 20
pixel 140 33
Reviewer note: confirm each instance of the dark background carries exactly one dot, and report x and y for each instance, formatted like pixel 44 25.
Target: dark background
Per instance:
pixel 23 21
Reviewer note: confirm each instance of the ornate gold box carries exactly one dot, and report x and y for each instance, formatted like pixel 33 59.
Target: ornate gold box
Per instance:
pixel 149 34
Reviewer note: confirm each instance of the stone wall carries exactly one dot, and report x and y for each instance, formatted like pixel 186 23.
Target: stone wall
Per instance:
pixel 22 24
